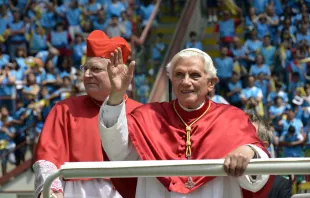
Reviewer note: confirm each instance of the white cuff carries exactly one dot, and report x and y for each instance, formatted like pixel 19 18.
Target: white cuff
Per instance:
pixel 247 182
pixel 109 115
pixel 42 170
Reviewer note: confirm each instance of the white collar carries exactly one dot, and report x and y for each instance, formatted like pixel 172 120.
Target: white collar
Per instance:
pixel 189 110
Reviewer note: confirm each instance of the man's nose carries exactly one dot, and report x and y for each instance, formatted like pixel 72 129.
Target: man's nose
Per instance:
pixel 88 74
pixel 186 81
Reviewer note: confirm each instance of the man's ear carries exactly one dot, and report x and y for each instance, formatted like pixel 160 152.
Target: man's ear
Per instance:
pixel 212 82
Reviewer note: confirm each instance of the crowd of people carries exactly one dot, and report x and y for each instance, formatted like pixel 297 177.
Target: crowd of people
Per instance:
pixel 42 46
pixel 269 73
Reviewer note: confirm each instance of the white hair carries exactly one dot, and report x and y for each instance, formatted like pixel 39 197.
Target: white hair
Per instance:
pixel 190 52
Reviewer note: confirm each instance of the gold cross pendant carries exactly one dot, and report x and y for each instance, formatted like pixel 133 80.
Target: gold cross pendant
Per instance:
pixel 189 184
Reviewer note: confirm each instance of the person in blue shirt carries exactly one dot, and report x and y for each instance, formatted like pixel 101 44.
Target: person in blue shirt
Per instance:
pixel 224 67
pixel 251 97
pixel 50 78
pixel 234 90
pixel 48 18
pixel 102 22
pixel 262 26
pixel 38 41
pixel 6 137
pixel 7 89
pixel 91 10
pixel 17 34
pixel 262 83
pixel 193 43
pixel 304 33
pixel 4 59
pixel 158 51
pixel 276 110
pixel 73 15
pixel 126 25
pixel 252 45
pixel 260 67
pixel 78 48
pixel 260 6
pixel 20 135
pixel 292 143
pixel 115 8
pixel 268 51
pixel 239 52
pixel 146 10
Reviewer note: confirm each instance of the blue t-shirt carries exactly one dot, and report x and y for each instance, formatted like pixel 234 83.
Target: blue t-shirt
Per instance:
pixel 235 98
pixel 156 54
pixel 224 67
pixel 252 47
pixel 276 111
pixel 73 16
pixel 115 9
pixel 252 92
pixel 269 54
pixel 17 26
pixel 4 136
pixel 264 87
pixel 196 45
pixel 101 26
pixel 48 20
pixel 4 59
pixel 295 151
pixel 297 123
pixel 262 29
pixel 255 70
pixel 260 6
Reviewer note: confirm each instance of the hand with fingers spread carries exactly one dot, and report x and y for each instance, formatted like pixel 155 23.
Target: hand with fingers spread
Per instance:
pixel 120 76
pixel 236 162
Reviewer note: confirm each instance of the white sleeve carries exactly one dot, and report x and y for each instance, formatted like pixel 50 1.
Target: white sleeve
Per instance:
pixel 247 182
pixel 42 170
pixel 114 133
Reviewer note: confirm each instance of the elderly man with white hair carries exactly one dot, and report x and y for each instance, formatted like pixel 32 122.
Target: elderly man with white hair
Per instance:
pixel 192 127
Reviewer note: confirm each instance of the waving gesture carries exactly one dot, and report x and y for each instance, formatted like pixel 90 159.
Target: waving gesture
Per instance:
pixel 120 76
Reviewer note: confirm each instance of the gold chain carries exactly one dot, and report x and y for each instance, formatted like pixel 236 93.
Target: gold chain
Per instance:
pixel 188 129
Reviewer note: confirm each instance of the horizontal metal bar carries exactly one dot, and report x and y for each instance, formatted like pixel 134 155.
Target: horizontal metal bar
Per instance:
pixel 282 166
pixel 306 195
pixel 274 166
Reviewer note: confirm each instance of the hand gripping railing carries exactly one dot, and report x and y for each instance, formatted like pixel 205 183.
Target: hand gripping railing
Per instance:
pixel 274 166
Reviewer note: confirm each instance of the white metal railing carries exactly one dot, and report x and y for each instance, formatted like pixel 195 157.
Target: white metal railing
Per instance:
pixel 306 195
pixel 274 166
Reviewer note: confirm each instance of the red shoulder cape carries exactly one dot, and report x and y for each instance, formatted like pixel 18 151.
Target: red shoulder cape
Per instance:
pixel 158 134
pixel 71 134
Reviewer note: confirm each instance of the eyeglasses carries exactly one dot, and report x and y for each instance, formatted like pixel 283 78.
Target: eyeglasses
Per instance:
pixel 94 70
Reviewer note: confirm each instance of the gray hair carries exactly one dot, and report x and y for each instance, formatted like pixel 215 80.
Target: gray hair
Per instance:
pixel 190 52
pixel 264 130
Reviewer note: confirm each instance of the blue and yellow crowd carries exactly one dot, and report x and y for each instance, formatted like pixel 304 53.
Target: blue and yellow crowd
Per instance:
pixel 42 46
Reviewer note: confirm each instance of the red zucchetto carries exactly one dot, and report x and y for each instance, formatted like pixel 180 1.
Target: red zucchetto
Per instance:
pixel 100 45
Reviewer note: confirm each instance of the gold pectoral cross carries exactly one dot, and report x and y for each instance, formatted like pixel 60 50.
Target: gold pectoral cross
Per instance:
pixel 189 184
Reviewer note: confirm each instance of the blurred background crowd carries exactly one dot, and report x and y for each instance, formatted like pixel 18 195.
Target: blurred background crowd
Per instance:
pixel 264 70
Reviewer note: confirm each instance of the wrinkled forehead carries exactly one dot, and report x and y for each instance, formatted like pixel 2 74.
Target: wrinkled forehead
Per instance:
pixel 96 62
pixel 191 62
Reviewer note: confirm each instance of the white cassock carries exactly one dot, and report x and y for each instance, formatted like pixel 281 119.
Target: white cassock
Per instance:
pixel 114 136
